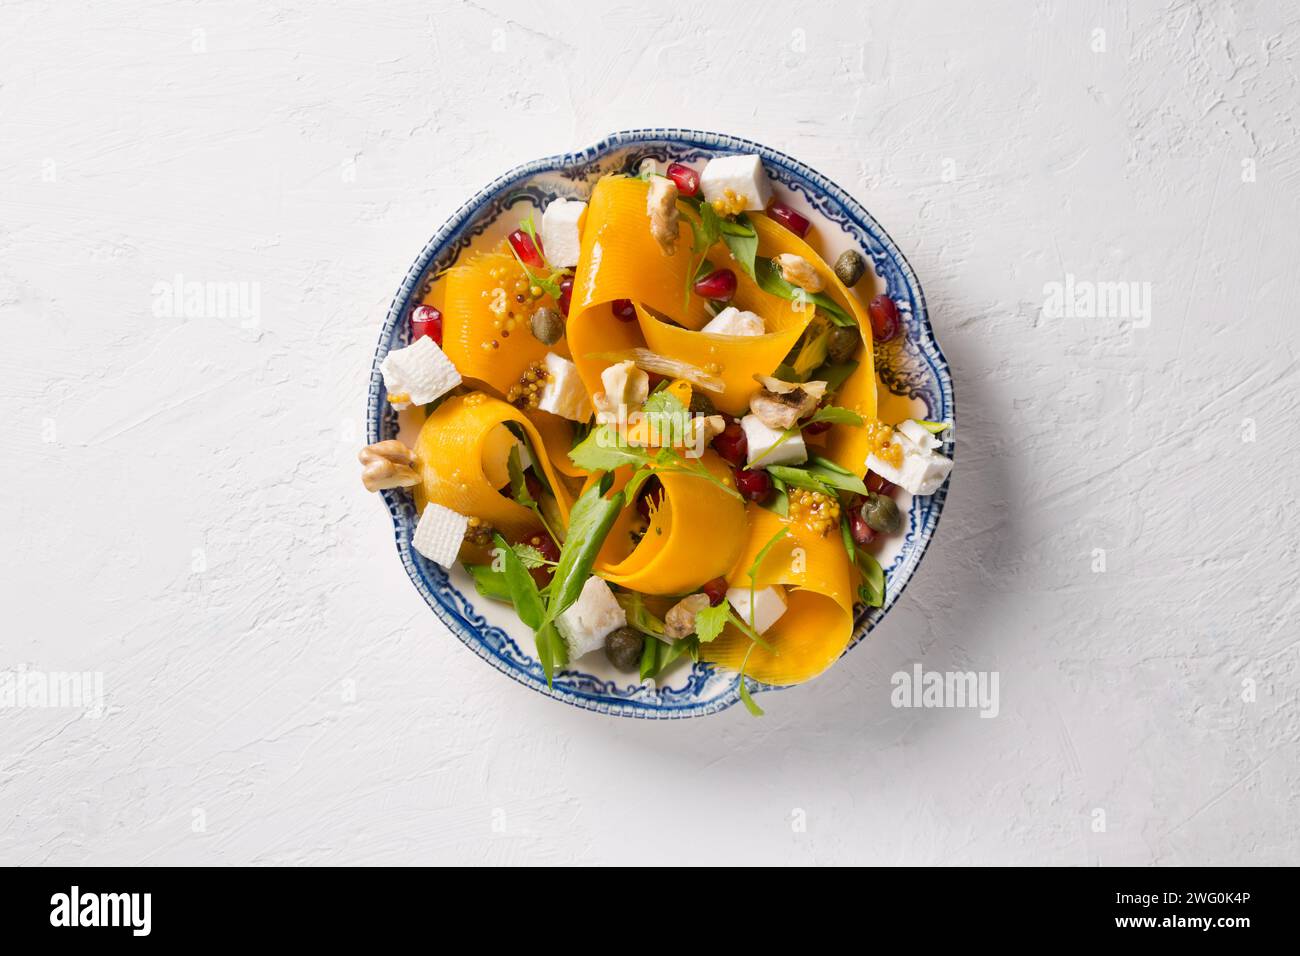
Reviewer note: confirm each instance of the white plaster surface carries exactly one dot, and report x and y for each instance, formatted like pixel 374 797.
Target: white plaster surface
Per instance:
pixel 181 508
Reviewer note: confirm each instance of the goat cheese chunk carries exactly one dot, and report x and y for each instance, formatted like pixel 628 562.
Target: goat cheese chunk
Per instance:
pixel 743 177
pixel 923 469
pixel 763 440
pixel 564 394
pixel 418 374
pixel 768 606
pixel 732 321
pixel 561 237
pixel 589 619
pixel 439 534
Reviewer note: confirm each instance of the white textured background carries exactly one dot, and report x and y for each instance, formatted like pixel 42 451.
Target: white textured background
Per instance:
pixel 313 152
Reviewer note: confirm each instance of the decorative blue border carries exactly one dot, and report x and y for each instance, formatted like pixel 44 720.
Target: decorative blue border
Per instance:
pixel 917 368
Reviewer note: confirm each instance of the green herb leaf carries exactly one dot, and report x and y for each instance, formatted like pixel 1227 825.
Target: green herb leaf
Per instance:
pixel 745 698
pixel 523 589
pixel 604 450
pixel 934 428
pixel 769 280
pixel 529 556
pixel 518 486
pixel 638 615
pixel 748 630
pixel 812 353
pixel 835 375
pixel 835 415
pixel 710 622
pixel 872 591
pixel 742 240
pixel 796 477
pixel 552 651
pixel 658 655
pixel 490 583
pixel 589 522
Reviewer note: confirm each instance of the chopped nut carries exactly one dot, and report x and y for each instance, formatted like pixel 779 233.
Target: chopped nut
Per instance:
pixel 705 428
pixel 661 206
pixel 799 271
pixel 781 411
pixel 387 464
pixel 680 619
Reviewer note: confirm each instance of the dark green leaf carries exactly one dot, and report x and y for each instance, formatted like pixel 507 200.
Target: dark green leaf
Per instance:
pixel 873 580
pixel 490 583
pixel 769 280
pixel 523 589
pixel 796 477
pixel 835 375
pixel 835 415
pixel 742 240
pixel 518 487
pixel 552 652
pixel 589 523
pixel 657 655
pixel 638 615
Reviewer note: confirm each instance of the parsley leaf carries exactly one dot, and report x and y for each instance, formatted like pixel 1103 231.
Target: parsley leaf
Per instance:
pixel 529 556
pixel 710 621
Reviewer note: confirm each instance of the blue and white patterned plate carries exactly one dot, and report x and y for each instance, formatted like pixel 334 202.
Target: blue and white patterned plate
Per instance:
pixel 912 368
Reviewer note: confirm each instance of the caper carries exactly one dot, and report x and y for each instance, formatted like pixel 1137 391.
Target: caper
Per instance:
pixel 881 514
pixel 850 266
pixel 548 326
pixel 701 404
pixel 843 344
pixel 623 647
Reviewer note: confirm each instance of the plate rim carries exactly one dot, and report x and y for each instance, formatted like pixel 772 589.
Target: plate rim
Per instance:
pixel 457 619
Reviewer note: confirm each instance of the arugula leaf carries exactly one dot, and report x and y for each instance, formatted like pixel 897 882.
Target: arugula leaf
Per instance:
pixel 796 477
pixel 779 502
pixel 552 651
pixel 839 479
pixel 590 519
pixel 518 486
pixel 657 656
pixel 523 589
pixel 817 478
pixel 769 280
pixel 835 415
pixel 872 591
pixel 835 375
pixel 758 560
pixel 749 632
pixel 490 583
pixel 846 536
pixel 710 621
pixel 812 353
pixel 745 698
pixel 829 465
pixel 742 240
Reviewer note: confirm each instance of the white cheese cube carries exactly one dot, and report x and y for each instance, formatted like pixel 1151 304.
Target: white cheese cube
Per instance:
pixel 439 534
pixel 732 321
pixel 918 434
pixel 561 238
pixel 564 394
pixel 590 618
pixel 769 605
pixel 418 374
pixel 922 472
pixel 763 447
pixel 742 175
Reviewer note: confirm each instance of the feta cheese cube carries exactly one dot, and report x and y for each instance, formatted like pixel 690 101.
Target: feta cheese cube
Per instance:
pixel 561 238
pixel 769 605
pixel 589 619
pixel 439 534
pixel 743 175
pixel 763 440
pixel 564 394
pixel 732 321
pixel 418 374
pixel 923 469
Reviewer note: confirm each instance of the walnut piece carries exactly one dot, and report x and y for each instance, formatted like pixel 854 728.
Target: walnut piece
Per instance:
pixel 799 271
pixel 680 619
pixel 781 411
pixel 387 464
pixel 661 206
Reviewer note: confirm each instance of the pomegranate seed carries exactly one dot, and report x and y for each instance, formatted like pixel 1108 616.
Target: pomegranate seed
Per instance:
pixel 719 285
pixel 731 444
pixel 859 529
pixel 426 320
pixel 716 590
pixel 624 310
pixel 652 490
pixel 687 180
pixel 817 428
pixel 544 543
pixel 881 486
pixel 789 218
pixel 884 318
pixel 754 483
pixel 566 294
pixel 529 253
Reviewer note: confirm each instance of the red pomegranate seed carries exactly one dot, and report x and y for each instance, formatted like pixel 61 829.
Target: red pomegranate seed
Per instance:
pixel 719 285
pixel 529 253
pixel 716 590
pixel 426 320
pixel 817 428
pixel 859 529
pixel 881 486
pixel 652 490
pixel 566 294
pixel 731 444
pixel 544 543
pixel 687 180
pixel 755 484
pixel 884 318
pixel 624 310
pixel 787 217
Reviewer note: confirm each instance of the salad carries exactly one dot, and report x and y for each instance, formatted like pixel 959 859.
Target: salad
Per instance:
pixel 647 420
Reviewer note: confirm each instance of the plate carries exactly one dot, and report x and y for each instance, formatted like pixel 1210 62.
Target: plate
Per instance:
pixel 912 372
